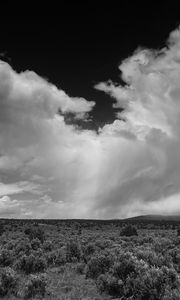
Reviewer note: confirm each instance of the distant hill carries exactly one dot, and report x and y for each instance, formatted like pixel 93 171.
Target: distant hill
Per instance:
pixel 154 218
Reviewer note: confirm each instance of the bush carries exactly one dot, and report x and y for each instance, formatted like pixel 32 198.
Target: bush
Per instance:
pixel 80 268
pixel 152 283
pixel 98 265
pixel 131 278
pixel 171 294
pixel 73 251
pixel 56 257
pixel 110 285
pixel 23 246
pixel 31 264
pixel 2 229
pixel 129 230
pixel 178 232
pixel 89 250
pixel 6 257
pixel 35 286
pixel 35 244
pixel 8 281
pixel 51 257
pixel 47 246
pixel 127 263
pixel 153 258
pixel 10 245
pixel 34 232
pixel 60 257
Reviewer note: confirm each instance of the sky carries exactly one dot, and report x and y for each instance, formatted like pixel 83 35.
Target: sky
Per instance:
pixel 89 115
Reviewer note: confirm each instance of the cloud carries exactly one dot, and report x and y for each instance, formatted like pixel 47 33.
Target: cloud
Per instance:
pixel 8 208
pixel 41 156
pixel 132 166
pixel 146 134
pixel 19 187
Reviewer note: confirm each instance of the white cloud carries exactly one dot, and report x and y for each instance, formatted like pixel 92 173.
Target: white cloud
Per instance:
pixel 40 154
pixel 8 207
pixel 19 187
pixel 131 166
pixel 151 132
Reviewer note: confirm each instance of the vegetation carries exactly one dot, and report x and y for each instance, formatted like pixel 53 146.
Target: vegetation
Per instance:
pixel 86 259
pixel 129 230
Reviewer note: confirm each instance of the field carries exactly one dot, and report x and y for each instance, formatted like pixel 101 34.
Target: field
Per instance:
pixel 90 259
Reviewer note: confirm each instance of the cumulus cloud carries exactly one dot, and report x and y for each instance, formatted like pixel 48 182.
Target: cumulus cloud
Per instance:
pixel 147 133
pixel 40 156
pixel 132 166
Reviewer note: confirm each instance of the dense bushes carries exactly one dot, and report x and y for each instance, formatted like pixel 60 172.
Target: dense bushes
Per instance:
pixel 89 249
pixel 98 265
pixel 31 264
pixel 23 247
pixel 80 268
pixel 73 251
pixel 61 257
pixel 8 281
pixel 6 257
pixel 133 279
pixel 111 285
pixel 123 266
pixel 56 257
pixel 153 258
pixel 129 230
pixel 2 229
pixel 178 232
pixel 35 232
pixel 48 245
pixel 152 283
pixel 35 244
pixel 35 286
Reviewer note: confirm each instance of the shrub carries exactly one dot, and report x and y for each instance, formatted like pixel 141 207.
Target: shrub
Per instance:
pixel 10 245
pixel 73 251
pixel 28 230
pixel 35 286
pixel 31 264
pixel 56 257
pixel 153 258
pixel 47 246
pixel 126 264
pixel 152 283
pixel 23 246
pixel 110 285
pixel 35 244
pixel 80 268
pixel 102 244
pixel 60 257
pixel 98 265
pixel 128 230
pixel 2 229
pixel 89 250
pixel 51 257
pixel 178 232
pixel 34 232
pixel 171 294
pixel 8 281
pixel 161 245
pixel 6 257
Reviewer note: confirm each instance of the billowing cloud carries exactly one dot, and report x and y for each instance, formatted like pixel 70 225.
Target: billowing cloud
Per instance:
pixel 146 133
pixel 132 166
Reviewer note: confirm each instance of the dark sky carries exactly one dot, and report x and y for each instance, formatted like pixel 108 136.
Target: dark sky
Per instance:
pixel 77 47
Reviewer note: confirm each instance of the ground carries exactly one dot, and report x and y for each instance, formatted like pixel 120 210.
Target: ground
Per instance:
pixel 86 260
